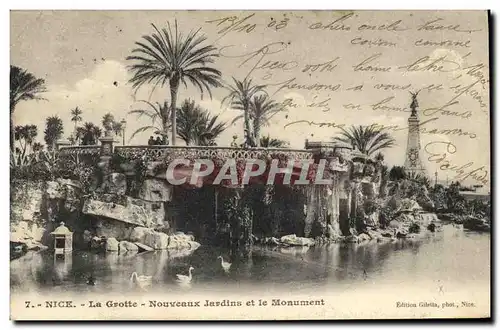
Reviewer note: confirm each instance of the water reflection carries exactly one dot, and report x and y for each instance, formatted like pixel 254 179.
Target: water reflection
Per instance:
pixel 452 254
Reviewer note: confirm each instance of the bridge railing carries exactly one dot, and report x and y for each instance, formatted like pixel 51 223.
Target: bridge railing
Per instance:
pixel 80 150
pixel 193 152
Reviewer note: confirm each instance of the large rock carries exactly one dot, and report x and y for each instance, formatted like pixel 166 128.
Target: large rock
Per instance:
pixel 149 237
pixel 67 190
pixel 26 201
pixel 156 240
pixel 112 244
pixel 37 232
pixel 143 247
pixel 113 228
pixel 155 190
pixel 20 233
pixel 128 247
pixel 182 241
pixel 97 243
pixel 134 212
pixel 296 241
pixel 26 232
pixel 138 234
pixel 115 183
pixel 363 237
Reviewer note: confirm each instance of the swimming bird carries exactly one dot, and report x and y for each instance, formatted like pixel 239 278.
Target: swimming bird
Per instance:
pixel 185 279
pixel 91 280
pixel 142 281
pixel 225 265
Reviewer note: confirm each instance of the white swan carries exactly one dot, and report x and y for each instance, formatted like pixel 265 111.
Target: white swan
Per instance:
pixel 185 279
pixel 142 281
pixel 225 265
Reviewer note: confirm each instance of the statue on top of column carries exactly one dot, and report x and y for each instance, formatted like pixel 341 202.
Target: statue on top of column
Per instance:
pixel 414 103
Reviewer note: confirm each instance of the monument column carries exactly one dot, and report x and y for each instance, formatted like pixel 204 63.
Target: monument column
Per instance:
pixel 413 160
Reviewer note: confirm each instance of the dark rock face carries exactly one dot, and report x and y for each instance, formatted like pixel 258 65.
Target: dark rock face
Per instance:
pixel 115 183
pixel 155 190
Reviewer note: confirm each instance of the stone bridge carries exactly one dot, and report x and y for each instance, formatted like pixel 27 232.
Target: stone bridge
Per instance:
pixel 355 177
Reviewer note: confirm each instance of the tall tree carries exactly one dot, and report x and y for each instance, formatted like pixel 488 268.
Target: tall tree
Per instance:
pixel 197 126
pixel 156 111
pixel 366 139
pixel 240 97
pixel 169 56
pixel 24 86
pixel 261 110
pixel 25 135
pixel 76 116
pixel 54 130
pixel 89 134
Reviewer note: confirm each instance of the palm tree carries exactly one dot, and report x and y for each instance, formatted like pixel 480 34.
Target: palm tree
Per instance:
pixel 53 131
pixel 26 136
pixel 268 142
pixel 37 146
pixel 169 56
pixel 156 111
pixel 419 178
pixel 262 109
pixel 24 86
pixel 366 139
pixel 76 116
pixel 197 126
pixel 89 134
pixel 240 98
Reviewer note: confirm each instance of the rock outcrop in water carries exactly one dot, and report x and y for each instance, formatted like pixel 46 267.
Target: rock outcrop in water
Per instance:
pixel 107 220
pixel 147 239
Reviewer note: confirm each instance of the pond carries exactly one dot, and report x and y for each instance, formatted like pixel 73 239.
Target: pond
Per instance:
pixel 453 256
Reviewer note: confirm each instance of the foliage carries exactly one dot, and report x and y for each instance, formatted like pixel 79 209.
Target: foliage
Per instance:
pixel 25 135
pixel 397 173
pixel 140 170
pixel 54 130
pixel 169 56
pixel 240 98
pixel 117 128
pixel 156 111
pixel 384 177
pixel 366 139
pixel 419 178
pixel 107 121
pixel 438 196
pixel 116 161
pixel 196 126
pixel 76 117
pixel 268 142
pixel 89 134
pixel 262 109
pixel 24 86
pixel 454 201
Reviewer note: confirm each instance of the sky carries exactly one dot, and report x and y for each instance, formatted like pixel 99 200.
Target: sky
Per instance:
pixel 361 62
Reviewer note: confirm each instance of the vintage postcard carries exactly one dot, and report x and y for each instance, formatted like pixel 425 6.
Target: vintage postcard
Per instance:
pixel 249 165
